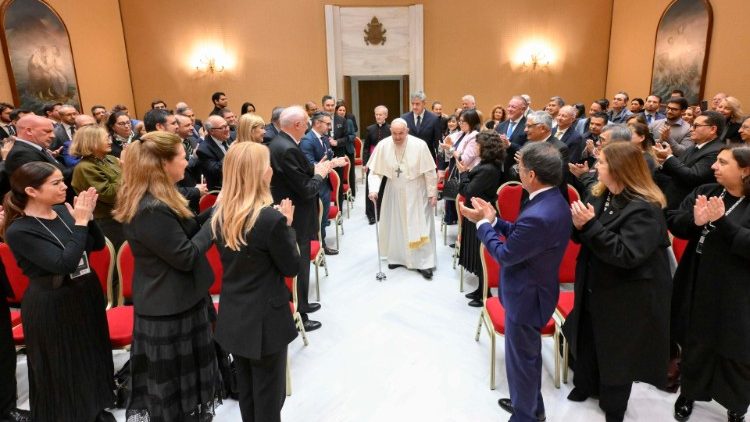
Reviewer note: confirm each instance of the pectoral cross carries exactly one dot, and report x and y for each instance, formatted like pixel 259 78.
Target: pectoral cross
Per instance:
pixel 398 171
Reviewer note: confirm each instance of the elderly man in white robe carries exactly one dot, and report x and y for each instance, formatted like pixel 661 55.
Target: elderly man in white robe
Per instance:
pixel 407 236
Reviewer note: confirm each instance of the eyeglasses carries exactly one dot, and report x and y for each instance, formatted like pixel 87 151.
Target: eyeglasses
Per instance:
pixel 220 127
pixel 695 125
pixel 532 125
pixel 673 108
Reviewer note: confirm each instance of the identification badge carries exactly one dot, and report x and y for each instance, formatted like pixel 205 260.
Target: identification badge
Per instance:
pixel 83 267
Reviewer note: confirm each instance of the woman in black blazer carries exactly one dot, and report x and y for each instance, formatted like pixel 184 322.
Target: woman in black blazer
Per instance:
pixel 710 304
pixel 258 249
pixel 174 372
pixel 619 327
pixel 482 181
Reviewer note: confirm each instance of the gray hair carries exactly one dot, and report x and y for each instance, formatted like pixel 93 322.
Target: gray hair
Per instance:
pixel 544 160
pixel 569 109
pixel 522 99
pixel 213 121
pixel 420 95
pixel 276 113
pixel 291 115
pixel 618 132
pixel 541 117
pixel 560 102
pixel 470 98
pixel 526 98
pixel 381 107
pixel 182 110
pixel 399 122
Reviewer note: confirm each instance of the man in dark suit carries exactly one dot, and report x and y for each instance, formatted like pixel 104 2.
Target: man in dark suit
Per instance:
pixel 212 150
pixel 539 129
pixel 375 133
pixel 651 109
pixel 294 177
pixel 35 135
pixel 6 124
pixel 8 409
pixel 315 145
pixel 220 101
pixel 597 121
pixel 190 186
pixel 272 129
pixel 530 259
pixel 64 133
pixel 678 176
pixel 423 124
pixel 619 112
pixel 567 134
pixel 512 131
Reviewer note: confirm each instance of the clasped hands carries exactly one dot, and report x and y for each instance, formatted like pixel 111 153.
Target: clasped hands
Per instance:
pixel 324 166
pixel 480 210
pixel 707 210
pixel 286 208
pixel 581 213
pixel 83 206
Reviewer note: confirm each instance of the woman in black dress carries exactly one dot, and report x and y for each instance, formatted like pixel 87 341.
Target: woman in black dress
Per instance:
pixel 711 300
pixel 482 181
pixel 64 320
pixel 258 249
pixel 174 371
pixel 619 327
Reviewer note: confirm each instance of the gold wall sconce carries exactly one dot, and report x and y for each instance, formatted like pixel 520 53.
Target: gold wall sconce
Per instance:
pixel 535 56
pixel 211 59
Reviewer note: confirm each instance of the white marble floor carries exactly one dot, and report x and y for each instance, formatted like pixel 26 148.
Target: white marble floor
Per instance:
pixel 404 350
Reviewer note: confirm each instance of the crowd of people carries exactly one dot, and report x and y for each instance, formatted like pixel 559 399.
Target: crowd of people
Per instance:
pixel 644 171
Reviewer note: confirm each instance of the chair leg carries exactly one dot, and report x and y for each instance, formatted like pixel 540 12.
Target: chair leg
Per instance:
pixel 317 281
pixel 301 328
pixel 288 378
pixel 556 345
pixel 565 359
pixel 492 362
pixel 324 263
pixel 341 223
pixel 461 287
pixel 338 244
pixel 479 326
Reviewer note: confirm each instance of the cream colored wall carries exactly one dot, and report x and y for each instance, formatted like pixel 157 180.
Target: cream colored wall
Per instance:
pixel 279 48
pixel 98 45
pixel 632 47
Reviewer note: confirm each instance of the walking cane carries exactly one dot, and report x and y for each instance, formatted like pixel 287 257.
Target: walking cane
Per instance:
pixel 380 276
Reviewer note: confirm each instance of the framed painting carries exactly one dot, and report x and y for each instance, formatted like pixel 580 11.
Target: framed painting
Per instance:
pixel 38 55
pixel 683 38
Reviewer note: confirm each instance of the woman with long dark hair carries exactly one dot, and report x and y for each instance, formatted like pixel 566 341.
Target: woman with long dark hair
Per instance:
pixel 64 320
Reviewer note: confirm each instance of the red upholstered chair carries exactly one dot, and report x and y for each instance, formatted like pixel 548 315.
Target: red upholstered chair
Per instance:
pixel 214 259
pixel 18 281
pixel 573 194
pixel 509 196
pixel 358 157
pixel 120 318
pixel 679 246
pixel 345 186
pixel 208 200
pixel 334 212
pixel 567 275
pixel 103 264
pixel 493 313
pixel 317 257
pixel 291 284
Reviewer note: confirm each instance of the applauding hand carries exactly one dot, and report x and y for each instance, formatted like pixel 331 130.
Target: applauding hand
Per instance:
pixel 83 206
pixel 287 209
pixel 581 213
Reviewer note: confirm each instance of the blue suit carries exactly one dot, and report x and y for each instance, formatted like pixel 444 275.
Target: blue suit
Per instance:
pixel 314 152
pixel 530 259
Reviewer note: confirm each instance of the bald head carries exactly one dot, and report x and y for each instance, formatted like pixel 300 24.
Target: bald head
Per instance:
pixel 293 121
pixel 35 129
pixel 400 123
pixel 84 120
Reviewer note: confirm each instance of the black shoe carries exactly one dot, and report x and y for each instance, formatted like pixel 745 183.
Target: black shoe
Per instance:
pixel 452 245
pixel 506 405
pixel 735 417
pixel 394 266
pixel 475 303
pixel 17 415
pixel 476 294
pixel 311 325
pixel 683 408
pixel 311 307
pixel 371 220
pixel 427 274
pixel 330 251
pixel 614 417
pixel 105 416
pixel 576 394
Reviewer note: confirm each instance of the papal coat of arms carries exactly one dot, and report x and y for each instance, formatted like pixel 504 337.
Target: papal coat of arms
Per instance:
pixel 375 33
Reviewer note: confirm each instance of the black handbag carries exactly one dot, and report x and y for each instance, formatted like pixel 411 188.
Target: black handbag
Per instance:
pixel 450 187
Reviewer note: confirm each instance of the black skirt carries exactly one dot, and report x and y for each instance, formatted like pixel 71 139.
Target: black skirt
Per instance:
pixel 71 375
pixel 469 257
pixel 174 372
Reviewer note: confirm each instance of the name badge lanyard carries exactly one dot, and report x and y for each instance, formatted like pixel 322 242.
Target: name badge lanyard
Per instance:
pixel 83 264
pixel 708 228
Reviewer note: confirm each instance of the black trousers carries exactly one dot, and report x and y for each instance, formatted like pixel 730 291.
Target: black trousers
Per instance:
pixel 303 278
pixel 613 399
pixel 262 387
pixel 7 361
pixel 352 176
pixel 369 207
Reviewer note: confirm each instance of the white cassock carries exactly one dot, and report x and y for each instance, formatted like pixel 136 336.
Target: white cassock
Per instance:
pixel 407 223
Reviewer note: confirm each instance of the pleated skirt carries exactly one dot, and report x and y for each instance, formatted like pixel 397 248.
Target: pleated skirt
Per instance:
pixel 469 257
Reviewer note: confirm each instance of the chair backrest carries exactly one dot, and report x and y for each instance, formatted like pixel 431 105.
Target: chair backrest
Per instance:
pixel 214 259
pixel 347 169
pixel 291 284
pixel 125 269
pixel 335 187
pixel 357 147
pixel 573 194
pixel 509 196
pixel 18 281
pixel 103 264
pixel 207 201
pixel 567 272
pixel 490 270
pixel 679 246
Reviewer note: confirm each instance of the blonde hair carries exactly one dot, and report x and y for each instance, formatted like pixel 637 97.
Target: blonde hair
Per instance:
pixel 736 106
pixel 143 172
pixel 244 193
pixel 86 140
pixel 248 122
pixel 628 167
